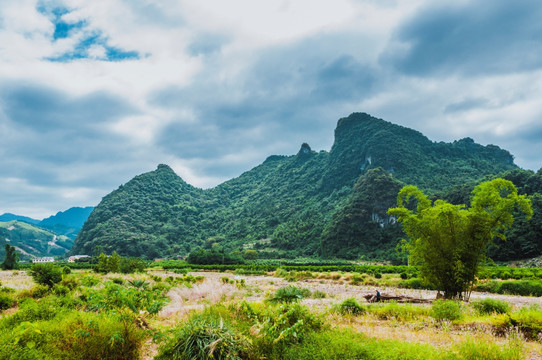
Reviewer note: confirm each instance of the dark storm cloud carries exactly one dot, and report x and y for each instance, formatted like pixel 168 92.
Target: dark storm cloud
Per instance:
pixel 46 109
pixel 472 38
pixel 46 130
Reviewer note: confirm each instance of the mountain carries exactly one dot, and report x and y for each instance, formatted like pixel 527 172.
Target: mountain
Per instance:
pixel 31 241
pixel 289 206
pixel 67 222
pixel 11 217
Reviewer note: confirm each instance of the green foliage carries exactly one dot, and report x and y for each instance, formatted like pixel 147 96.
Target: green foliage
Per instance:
pixel 362 226
pixel 10 259
pixel 205 336
pixel 132 265
pixel 449 242
pixel 446 310
pixel 490 306
pixel 282 206
pixel 137 298
pixel 395 311
pixel 6 302
pixel 66 270
pixel 475 349
pixel 32 240
pixel 350 306
pixel 46 274
pixel 202 257
pixel 350 344
pixel 287 324
pixel 516 287
pixel 289 294
pixel 72 335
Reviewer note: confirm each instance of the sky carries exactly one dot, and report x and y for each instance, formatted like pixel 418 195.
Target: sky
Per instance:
pixel 93 93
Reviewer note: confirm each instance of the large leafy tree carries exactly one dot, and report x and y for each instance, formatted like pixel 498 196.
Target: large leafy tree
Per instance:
pixel 10 261
pixel 449 242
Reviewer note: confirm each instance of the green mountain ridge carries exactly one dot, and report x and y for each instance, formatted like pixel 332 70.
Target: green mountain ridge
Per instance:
pixel 290 205
pixel 32 241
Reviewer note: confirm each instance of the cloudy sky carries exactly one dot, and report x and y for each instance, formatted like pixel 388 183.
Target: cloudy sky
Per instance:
pixel 93 93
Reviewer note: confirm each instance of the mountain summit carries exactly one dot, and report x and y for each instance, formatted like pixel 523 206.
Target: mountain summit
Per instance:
pixel 285 205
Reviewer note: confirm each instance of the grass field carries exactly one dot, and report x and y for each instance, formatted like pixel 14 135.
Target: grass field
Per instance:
pixel 330 318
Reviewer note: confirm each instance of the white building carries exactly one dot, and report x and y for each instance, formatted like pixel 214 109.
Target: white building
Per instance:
pixel 43 260
pixel 75 257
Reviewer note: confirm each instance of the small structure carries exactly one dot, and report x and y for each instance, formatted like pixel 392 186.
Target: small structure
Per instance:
pixel 76 257
pixel 46 259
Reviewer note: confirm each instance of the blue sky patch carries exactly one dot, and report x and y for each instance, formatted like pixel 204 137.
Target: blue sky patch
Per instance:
pixel 64 30
pixel 81 51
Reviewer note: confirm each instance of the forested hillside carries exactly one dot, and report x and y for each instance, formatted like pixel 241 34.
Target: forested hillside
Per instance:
pixel 328 204
pixel 32 241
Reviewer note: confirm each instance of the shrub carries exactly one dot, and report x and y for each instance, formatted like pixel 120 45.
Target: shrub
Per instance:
pixel 117 280
pixel 287 324
pixel 317 294
pixel 60 290
pixel 6 302
pixel 132 265
pixel 74 335
pixel 528 321
pixel 472 349
pixel 66 270
pixel 36 292
pixel 89 281
pixel 490 306
pixel 70 282
pixel 46 274
pixel 446 310
pixel 289 294
pixel 350 306
pixel 204 336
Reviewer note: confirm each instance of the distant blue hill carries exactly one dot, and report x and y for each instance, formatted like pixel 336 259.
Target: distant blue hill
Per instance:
pixel 74 217
pixel 10 217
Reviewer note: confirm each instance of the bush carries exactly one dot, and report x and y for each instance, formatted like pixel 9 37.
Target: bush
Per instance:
pixel 289 294
pixel 66 270
pixel 204 336
pixel 46 274
pixel 288 324
pixel 490 306
pixel 472 349
pixel 6 302
pixel 317 294
pixel 404 275
pixel 350 306
pixel 73 335
pixel 132 265
pixel 37 291
pixel 446 310
pixel 117 280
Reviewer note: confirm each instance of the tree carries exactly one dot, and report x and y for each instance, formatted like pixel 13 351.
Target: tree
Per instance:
pixel 449 242
pixel 10 261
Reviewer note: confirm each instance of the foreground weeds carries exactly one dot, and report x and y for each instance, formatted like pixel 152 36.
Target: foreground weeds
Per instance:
pixel 94 316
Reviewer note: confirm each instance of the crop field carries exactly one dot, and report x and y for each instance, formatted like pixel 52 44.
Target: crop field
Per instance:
pixel 182 314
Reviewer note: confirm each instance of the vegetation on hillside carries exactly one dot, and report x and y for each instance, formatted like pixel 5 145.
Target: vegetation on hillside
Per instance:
pixel 282 207
pixel 30 240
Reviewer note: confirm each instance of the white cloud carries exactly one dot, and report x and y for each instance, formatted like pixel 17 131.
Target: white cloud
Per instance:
pixel 231 83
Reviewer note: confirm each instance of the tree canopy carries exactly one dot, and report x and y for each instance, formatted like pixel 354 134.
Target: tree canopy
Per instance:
pixel 449 242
